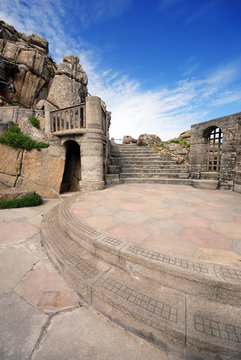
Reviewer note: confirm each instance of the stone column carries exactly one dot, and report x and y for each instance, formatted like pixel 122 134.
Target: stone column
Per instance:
pixel 91 151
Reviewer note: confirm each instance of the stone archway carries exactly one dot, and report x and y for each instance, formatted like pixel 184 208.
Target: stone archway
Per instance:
pixel 72 170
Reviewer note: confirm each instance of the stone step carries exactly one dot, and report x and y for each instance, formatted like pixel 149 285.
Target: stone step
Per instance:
pixel 179 175
pixel 143 161
pixel 168 300
pixel 152 169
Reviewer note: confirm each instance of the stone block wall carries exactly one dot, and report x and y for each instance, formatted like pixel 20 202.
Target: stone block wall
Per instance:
pixel 40 171
pixel 230 126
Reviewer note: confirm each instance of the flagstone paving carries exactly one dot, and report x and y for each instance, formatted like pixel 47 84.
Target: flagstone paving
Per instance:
pixel 42 317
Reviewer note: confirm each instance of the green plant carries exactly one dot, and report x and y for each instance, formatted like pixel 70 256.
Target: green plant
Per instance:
pixel 174 141
pixel 34 121
pixel 24 201
pixel 14 137
pixel 50 71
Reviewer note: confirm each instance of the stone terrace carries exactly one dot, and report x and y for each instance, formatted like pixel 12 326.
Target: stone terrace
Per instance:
pixel 160 260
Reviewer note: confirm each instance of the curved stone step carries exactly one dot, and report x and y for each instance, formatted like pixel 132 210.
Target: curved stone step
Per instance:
pixel 189 307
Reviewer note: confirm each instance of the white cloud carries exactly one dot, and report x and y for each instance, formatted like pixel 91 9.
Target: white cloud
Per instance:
pixel 165 112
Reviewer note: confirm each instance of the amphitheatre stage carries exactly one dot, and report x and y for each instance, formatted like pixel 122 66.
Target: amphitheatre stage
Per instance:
pixel 162 261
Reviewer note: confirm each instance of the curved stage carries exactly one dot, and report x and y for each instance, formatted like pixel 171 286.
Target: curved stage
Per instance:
pixel 163 261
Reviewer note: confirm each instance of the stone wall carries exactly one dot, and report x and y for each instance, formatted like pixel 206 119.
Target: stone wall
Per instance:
pixel 237 169
pixel 230 126
pixel 40 171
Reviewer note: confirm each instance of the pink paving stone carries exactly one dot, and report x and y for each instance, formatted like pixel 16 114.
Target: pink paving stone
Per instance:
pixel 81 213
pixel 206 238
pixel 238 219
pixel 191 220
pixel 131 232
pixel 201 206
pixel 132 207
pixel 16 231
pixel 133 200
pixel 44 288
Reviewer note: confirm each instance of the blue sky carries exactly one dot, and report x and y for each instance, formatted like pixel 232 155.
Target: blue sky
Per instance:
pixel 160 65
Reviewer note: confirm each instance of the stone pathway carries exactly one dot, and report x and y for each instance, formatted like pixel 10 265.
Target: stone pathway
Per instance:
pixel 41 317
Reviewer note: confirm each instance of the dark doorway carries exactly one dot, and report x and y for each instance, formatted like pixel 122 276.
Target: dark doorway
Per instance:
pixel 72 171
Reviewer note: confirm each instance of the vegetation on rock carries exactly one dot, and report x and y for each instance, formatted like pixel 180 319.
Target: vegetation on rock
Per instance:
pixel 25 201
pixel 15 138
pixel 34 121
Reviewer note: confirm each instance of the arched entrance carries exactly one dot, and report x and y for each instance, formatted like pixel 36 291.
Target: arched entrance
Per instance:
pixel 72 171
pixel 214 138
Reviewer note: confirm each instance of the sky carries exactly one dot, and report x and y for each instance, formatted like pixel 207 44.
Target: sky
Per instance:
pixel 159 65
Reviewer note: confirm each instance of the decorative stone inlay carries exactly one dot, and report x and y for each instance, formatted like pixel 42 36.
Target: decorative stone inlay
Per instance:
pixel 155 255
pixel 229 273
pixel 111 241
pixel 156 307
pixel 82 227
pixel 72 252
pixel 218 329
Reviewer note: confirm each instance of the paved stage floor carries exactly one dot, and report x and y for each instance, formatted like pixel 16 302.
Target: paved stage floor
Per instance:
pixel 176 219
pixel 41 316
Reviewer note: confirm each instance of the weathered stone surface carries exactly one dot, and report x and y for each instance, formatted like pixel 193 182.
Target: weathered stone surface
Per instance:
pixel 79 324
pixel 14 193
pixel 69 84
pixel 28 129
pixel 12 271
pixel 10 51
pixel 26 57
pixel 129 140
pixel 39 40
pixel 10 160
pixel 21 325
pixel 43 171
pixel 146 139
pixel 185 135
pixel 30 52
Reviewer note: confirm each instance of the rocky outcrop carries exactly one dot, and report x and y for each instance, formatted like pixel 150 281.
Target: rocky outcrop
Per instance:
pixel 38 77
pixel 36 67
pixel 129 140
pixel 69 86
pixel 151 140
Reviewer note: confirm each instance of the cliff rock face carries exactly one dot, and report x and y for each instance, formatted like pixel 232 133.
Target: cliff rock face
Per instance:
pixel 39 78
pixel 36 67
pixel 69 86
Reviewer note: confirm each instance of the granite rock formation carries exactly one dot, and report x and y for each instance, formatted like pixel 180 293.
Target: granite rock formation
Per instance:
pixel 151 140
pixel 39 78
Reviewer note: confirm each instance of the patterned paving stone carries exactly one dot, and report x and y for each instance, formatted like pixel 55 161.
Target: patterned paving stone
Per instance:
pixel 132 232
pixel 227 229
pixel 191 220
pixel 206 238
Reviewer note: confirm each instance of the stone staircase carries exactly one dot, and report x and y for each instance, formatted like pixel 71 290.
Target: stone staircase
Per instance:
pixel 188 307
pixel 139 164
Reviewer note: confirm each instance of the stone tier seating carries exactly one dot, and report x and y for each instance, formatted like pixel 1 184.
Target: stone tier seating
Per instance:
pixel 142 164
pixel 189 307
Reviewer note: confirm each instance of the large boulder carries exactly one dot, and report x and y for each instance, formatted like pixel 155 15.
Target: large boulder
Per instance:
pixel 151 140
pixel 69 86
pixel 129 140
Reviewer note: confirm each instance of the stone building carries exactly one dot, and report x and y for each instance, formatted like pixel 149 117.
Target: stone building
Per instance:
pixel 215 151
